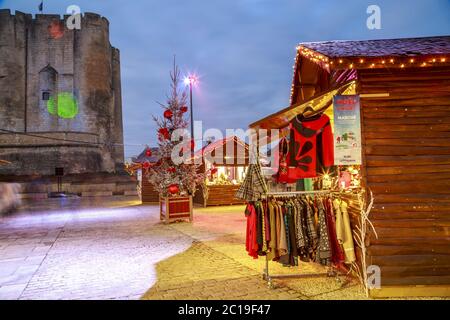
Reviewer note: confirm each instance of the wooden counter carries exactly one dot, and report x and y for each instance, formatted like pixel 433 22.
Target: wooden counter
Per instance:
pixel 218 195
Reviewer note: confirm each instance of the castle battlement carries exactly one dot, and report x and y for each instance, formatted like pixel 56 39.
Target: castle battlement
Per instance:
pixel 87 17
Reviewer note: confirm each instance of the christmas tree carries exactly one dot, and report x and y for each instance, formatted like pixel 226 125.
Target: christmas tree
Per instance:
pixel 175 173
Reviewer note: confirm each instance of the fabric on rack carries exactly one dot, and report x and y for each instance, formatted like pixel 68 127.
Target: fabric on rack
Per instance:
pixel 311 229
pixel 304 221
pixel 293 256
pixel 343 230
pixel 301 237
pixel 261 228
pixel 336 249
pixel 282 244
pixel 254 185
pixel 311 146
pixel 302 228
pixel 284 259
pixel 273 243
pixel 251 243
pixel 316 215
pixel 323 255
pixel 266 223
pixel 286 229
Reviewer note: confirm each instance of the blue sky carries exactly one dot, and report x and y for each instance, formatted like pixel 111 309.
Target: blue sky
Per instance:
pixel 243 50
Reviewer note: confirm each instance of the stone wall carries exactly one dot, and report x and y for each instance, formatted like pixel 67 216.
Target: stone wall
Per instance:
pixel 41 56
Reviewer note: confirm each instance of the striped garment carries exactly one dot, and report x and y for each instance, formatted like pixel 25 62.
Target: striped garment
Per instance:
pixel 253 186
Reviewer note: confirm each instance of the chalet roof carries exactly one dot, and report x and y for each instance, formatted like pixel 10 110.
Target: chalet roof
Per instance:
pixel 219 144
pixel 142 157
pixel 315 61
pixel 382 47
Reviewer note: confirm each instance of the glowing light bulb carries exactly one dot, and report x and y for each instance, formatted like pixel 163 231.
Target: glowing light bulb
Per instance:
pixel 190 80
pixel 392 60
pixel 402 65
pixel 340 60
pixel 361 60
pixel 411 60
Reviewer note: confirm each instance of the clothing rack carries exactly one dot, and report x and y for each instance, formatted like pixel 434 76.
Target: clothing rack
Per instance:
pixel 294 193
pixel 266 275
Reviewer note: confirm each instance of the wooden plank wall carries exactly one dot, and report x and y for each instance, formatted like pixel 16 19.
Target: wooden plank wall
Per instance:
pixel 406 140
pixel 218 195
pixel 149 195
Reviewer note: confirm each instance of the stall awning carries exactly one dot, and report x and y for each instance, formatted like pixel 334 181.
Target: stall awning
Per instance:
pixel 318 103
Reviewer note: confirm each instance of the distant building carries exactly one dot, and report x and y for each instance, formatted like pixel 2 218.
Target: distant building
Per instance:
pixel 60 96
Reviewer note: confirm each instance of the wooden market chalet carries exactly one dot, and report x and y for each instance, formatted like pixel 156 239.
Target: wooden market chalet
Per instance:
pixel 224 163
pixel 404 87
pixel 148 157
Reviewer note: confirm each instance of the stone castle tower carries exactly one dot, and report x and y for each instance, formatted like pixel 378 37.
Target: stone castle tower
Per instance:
pixel 60 95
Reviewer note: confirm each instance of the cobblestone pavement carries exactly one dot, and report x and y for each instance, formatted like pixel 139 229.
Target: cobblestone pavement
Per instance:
pixel 217 266
pixel 83 249
pixel 114 248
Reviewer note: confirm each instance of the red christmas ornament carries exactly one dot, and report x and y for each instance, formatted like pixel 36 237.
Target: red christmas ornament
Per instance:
pixel 173 189
pixel 148 152
pixel 168 114
pixel 146 165
pixel 184 109
pixel 164 132
pixel 213 170
pixel 171 170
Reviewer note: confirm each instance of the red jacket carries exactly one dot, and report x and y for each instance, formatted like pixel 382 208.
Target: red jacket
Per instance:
pixel 311 146
pixel 251 241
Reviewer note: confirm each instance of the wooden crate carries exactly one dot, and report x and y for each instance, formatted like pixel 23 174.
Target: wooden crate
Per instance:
pixel 175 208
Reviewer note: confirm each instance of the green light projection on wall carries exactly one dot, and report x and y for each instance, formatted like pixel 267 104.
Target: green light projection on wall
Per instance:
pixel 65 106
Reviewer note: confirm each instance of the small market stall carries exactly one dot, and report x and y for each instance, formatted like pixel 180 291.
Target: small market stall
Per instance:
pixel 147 158
pixel 396 96
pixel 224 163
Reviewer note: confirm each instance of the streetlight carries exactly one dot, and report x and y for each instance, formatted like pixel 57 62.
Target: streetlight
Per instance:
pixel 191 80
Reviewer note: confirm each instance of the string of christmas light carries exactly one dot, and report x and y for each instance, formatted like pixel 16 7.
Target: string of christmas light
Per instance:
pixel 328 63
pixel 351 63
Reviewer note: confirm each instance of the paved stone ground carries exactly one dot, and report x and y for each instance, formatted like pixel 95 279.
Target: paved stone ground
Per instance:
pixel 114 248
pixel 217 266
pixel 83 249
